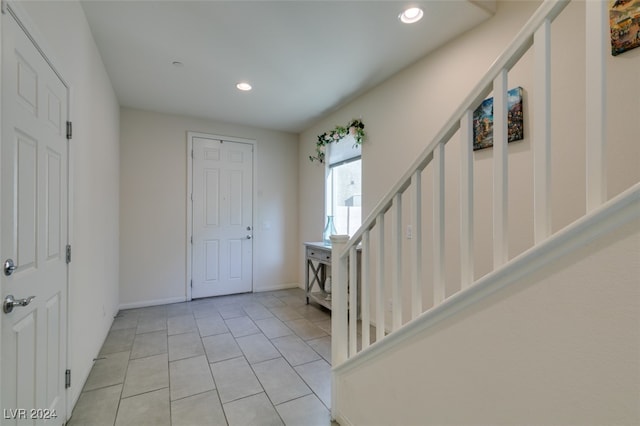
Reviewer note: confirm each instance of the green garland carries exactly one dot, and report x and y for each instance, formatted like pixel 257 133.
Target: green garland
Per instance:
pixel 355 128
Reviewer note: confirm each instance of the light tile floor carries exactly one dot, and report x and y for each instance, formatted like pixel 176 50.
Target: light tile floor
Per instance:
pixel 249 359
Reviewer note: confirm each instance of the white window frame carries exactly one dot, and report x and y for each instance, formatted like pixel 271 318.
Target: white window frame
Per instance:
pixel 348 153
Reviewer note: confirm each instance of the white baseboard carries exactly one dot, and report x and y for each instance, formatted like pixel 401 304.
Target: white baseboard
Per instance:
pixel 342 420
pixel 283 286
pixel 154 302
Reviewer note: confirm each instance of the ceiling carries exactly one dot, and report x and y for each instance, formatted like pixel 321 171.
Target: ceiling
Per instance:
pixel 304 58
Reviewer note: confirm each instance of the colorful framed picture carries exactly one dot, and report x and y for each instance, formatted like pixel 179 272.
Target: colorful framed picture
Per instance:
pixel 624 21
pixel 483 120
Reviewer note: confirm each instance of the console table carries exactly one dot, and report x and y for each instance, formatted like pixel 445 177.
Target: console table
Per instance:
pixel 318 272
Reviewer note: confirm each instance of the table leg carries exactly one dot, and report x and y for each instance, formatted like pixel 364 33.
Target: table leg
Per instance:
pixel 306 280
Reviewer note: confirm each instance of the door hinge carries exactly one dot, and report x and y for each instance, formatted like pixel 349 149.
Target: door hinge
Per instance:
pixel 68 253
pixel 191 284
pixel 67 379
pixel 69 130
pixel 192 239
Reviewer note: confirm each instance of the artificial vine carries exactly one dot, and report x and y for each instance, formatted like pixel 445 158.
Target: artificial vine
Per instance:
pixel 355 128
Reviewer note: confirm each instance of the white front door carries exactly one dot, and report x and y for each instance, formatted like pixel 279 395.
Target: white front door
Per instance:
pixel 33 203
pixel 222 217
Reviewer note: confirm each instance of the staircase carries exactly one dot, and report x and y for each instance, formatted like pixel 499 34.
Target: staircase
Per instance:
pixel 392 361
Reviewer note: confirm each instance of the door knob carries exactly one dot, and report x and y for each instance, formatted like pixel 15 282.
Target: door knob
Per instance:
pixel 248 237
pixel 9 267
pixel 10 302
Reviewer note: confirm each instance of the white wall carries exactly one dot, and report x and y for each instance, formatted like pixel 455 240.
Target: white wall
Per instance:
pixel 153 243
pixel 569 353
pixel 94 163
pixel 404 113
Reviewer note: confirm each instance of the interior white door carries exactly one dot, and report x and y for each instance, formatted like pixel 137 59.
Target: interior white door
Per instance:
pixel 33 203
pixel 222 217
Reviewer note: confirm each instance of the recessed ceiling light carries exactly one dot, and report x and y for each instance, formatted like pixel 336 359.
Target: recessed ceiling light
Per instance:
pixel 177 64
pixel 411 15
pixel 243 86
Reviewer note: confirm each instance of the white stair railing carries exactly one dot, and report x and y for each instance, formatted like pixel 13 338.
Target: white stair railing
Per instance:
pixel 350 303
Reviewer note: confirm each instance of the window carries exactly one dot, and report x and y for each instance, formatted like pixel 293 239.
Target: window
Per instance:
pixel 344 186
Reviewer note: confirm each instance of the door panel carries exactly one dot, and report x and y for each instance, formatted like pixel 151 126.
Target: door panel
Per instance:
pixel 54 111
pixel 235 197
pixel 33 202
pixel 211 263
pixel 27 85
pixel 23 337
pixel 235 259
pixel 212 191
pixel 222 217
pixel 52 312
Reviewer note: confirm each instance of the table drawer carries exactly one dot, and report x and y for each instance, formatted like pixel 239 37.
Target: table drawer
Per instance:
pixel 318 254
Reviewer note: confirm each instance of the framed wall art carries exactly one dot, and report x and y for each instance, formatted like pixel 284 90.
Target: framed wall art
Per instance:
pixel 624 22
pixel 483 120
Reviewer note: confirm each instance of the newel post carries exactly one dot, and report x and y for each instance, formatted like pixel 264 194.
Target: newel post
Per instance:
pixel 338 310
